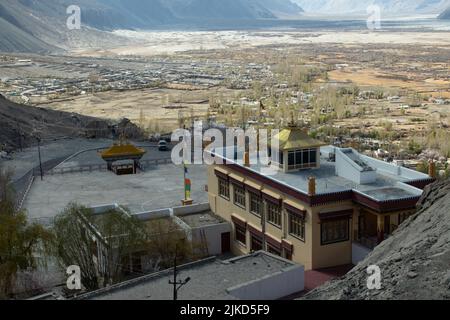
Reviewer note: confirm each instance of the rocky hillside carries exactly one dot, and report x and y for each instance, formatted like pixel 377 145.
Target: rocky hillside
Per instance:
pixel 414 262
pixel 445 15
pixel 18 124
pixel 232 9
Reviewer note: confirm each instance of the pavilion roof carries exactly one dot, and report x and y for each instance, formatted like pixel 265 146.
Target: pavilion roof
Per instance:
pixel 123 151
pixel 294 137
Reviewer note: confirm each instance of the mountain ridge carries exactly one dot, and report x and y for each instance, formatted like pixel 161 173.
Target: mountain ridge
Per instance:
pixel 40 25
pixel 445 15
pixel 388 7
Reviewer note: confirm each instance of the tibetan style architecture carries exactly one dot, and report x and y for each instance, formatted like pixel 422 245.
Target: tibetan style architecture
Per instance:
pixel 123 158
pixel 323 206
pixel 299 150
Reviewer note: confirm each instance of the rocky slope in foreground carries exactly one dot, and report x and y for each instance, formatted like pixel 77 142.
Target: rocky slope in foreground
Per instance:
pixel 414 262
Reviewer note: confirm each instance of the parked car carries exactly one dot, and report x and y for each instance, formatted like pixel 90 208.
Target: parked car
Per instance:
pixel 163 145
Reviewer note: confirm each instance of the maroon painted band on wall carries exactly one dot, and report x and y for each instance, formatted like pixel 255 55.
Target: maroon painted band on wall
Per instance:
pixel 295 211
pixel 320 199
pixel 239 222
pixel 342 214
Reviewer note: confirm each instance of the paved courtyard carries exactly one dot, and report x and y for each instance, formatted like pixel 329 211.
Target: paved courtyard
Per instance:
pixel 159 187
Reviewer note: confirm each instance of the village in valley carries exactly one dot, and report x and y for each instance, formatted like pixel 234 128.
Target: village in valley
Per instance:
pixel 395 112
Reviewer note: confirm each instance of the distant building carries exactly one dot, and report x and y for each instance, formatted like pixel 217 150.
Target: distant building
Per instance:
pixel 123 158
pixel 321 202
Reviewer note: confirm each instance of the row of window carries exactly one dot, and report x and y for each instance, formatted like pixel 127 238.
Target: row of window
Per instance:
pixel 306 158
pixel 256 243
pixel 296 223
pixel 332 231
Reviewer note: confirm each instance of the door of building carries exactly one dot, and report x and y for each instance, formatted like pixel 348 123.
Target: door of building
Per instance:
pixel 361 226
pixel 226 242
pixel 387 225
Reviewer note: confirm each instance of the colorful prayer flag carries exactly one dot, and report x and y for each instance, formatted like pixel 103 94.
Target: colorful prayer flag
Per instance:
pixel 187 188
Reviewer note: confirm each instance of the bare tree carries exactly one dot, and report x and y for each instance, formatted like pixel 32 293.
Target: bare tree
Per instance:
pixel 97 243
pixel 73 244
pixel 167 239
pixel 19 240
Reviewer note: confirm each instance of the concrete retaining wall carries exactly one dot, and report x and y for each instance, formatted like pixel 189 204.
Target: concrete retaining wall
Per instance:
pixel 279 285
pixel 151 215
pixel 187 210
pixel 350 170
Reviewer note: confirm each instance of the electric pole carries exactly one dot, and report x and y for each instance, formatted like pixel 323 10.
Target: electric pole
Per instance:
pixel 38 139
pixel 177 284
pixel 40 160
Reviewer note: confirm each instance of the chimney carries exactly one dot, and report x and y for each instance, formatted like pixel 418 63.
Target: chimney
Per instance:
pixel 247 159
pixel 432 169
pixel 312 186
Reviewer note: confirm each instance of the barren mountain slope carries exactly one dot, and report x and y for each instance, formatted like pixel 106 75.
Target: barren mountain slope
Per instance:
pixel 414 262
pixel 17 123
pixel 445 15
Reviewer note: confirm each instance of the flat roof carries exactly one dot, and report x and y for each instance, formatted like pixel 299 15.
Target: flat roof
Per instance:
pixel 210 279
pixel 385 187
pixel 201 219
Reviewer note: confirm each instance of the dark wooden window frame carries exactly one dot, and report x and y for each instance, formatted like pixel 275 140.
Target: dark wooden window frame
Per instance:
pixel 276 251
pixel 294 215
pixel 258 240
pixel 323 222
pixel 302 158
pixel 242 232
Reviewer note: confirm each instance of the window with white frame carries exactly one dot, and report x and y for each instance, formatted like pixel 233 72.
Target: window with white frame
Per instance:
pixel 224 188
pixel 239 196
pixel 274 213
pixel 255 204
